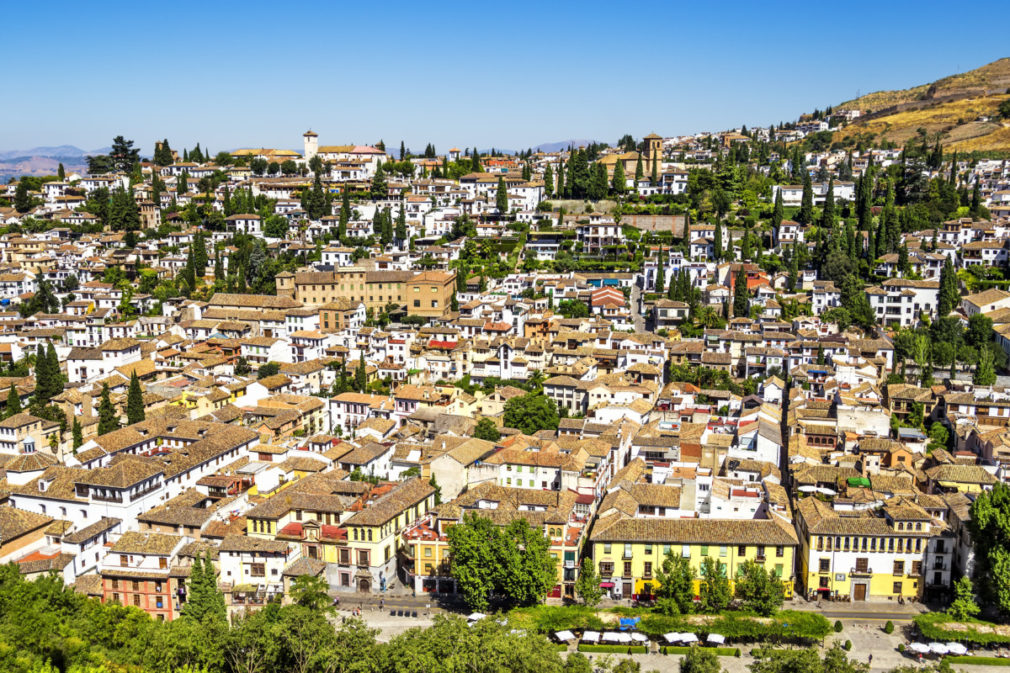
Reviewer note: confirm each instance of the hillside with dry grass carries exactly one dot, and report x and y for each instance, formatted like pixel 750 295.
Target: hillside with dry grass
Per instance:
pixel 962 110
pixel 995 75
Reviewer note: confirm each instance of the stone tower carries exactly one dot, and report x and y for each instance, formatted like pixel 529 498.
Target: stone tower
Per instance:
pixel 654 152
pixel 311 144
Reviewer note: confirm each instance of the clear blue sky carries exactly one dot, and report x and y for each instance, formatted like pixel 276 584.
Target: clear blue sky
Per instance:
pixel 512 74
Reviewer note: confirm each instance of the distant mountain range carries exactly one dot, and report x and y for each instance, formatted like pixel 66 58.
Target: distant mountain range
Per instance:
pixel 561 145
pixel 45 160
pixel 59 151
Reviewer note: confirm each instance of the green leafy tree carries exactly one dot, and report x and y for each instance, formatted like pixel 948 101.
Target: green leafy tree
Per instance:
pixel 108 418
pixel 311 591
pixel 714 592
pixel 965 605
pixel 760 590
pixel 486 430
pixel 573 308
pixel 134 401
pixel 268 369
pixel 587 584
pixel 511 566
pixel 205 603
pixel 531 413
pixel 985 369
pixel 990 535
pixel 276 226
pixel 700 660
pixel 675 593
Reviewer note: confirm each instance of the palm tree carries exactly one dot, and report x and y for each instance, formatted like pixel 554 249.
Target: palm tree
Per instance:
pixel 536 380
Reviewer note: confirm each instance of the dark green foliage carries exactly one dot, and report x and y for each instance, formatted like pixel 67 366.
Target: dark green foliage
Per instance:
pixel 741 296
pixel 108 417
pixel 379 190
pixel 508 566
pixel 134 401
pixel 531 413
pixel 268 369
pixel 838 626
pixel 487 430
pixel 13 402
pixel 759 589
pixel 675 578
pixel 889 627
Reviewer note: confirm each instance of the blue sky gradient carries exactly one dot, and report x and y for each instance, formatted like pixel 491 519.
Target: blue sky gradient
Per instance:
pixel 238 74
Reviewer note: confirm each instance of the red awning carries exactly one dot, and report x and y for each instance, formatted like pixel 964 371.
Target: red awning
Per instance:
pixel 606 585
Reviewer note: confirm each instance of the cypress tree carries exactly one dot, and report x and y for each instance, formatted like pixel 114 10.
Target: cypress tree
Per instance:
pixel 360 375
pixel 77 433
pixel 806 214
pixel 717 245
pixel 639 170
pixel 42 376
pixel 61 172
pixel 660 272
pixel 828 213
pixel 549 181
pixel 619 182
pixel 401 224
pixel 108 419
pixel 779 212
pixel 54 384
pixel 741 297
pixel 134 401
pixel 182 186
pixel 501 199
pixel 345 213
pixel 13 402
pixel 380 189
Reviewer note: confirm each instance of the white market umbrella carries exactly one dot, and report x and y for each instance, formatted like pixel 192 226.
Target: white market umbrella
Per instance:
pixel 672 637
pixel 689 638
pixel 956 648
pixel 640 637
pixel 612 636
pixel 938 648
pixel 624 637
pixel 920 648
pixel 716 638
pixel 591 636
pixel 564 635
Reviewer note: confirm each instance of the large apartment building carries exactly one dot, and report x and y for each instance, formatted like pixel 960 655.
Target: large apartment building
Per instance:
pixel 375 289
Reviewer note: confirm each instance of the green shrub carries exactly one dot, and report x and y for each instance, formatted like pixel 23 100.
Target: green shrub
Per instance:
pixel 551 618
pixel 838 626
pixel 787 626
pixel 613 649
pixel 901 647
pixel 978 661
pixel 847 646
pixel 889 627
pixel 719 651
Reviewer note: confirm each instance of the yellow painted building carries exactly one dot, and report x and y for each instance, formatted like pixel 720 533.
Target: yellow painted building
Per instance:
pixel 627 551
pixel 871 554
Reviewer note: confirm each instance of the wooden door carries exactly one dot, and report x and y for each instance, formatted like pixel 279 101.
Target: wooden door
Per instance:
pixel 860 592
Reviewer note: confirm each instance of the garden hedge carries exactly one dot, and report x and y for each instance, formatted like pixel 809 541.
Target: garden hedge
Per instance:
pixel 936 626
pixel 613 649
pixel 978 661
